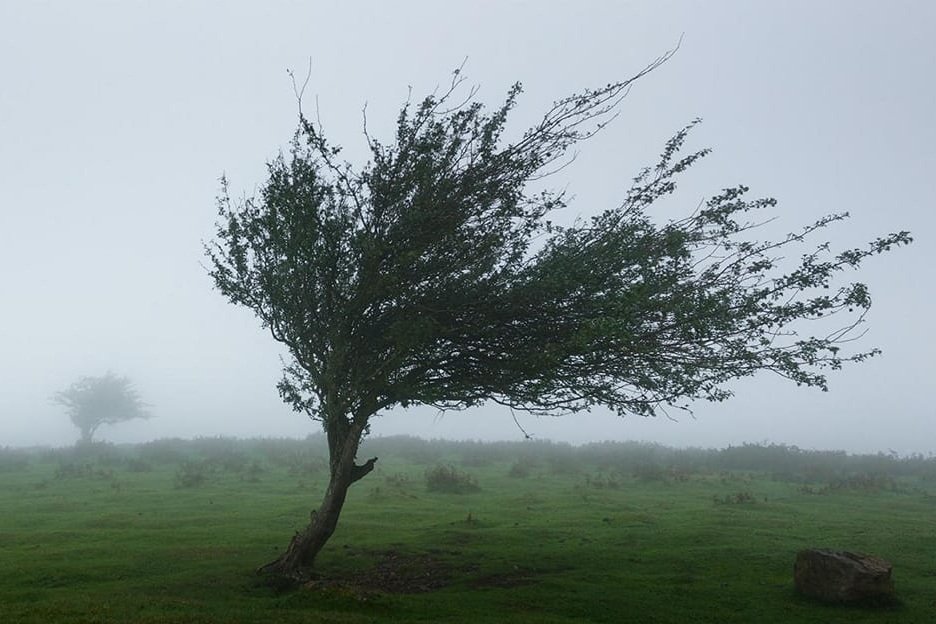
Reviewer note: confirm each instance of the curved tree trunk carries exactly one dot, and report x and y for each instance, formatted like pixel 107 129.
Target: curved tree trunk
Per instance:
pixel 87 433
pixel 296 561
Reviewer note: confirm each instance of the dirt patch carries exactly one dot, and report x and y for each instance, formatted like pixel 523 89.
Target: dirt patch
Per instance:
pixel 398 573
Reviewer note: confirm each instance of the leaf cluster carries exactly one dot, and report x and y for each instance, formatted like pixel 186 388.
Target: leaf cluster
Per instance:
pixel 434 275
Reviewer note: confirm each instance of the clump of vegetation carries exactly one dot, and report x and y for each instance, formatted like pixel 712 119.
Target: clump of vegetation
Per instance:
pixel 223 454
pixel 521 469
pixel 603 482
pixel 81 470
pixel 192 474
pixel 738 498
pixel 252 472
pixel 448 480
pixel 863 483
pixel 302 463
pixel 650 472
pixel 13 459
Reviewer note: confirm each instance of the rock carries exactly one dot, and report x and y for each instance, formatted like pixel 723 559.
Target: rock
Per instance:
pixel 843 577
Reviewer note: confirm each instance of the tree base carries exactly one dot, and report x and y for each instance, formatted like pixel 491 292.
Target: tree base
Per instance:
pixel 295 564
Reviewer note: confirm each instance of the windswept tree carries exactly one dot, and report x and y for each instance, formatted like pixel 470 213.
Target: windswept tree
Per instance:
pixel 95 401
pixel 433 275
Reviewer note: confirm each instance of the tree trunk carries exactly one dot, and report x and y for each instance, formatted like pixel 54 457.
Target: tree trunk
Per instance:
pixel 296 561
pixel 85 440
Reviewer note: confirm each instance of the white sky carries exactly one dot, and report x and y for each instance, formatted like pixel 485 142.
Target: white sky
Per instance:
pixel 117 118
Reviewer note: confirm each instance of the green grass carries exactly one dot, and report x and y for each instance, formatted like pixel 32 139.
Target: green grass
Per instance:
pixel 567 542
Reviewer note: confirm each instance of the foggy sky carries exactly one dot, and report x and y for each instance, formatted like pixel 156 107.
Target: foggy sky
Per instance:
pixel 118 118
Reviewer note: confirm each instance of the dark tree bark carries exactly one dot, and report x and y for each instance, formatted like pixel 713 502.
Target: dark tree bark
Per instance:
pixel 296 561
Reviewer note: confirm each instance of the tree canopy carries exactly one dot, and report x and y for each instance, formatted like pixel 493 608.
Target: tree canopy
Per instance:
pixel 433 274
pixel 105 400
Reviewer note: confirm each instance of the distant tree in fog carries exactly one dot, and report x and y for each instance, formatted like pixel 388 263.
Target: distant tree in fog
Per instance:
pixel 432 275
pixel 95 401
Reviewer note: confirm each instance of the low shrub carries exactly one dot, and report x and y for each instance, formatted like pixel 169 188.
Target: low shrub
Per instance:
pixel 303 463
pixel 655 472
pixel 252 472
pixel 863 483
pixel 81 470
pixel 448 480
pixel 521 469
pixel 738 498
pixel 13 459
pixel 603 482
pixel 192 474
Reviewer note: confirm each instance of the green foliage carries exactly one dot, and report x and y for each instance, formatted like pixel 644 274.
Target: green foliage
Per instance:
pixel 79 470
pixel 449 480
pixel 520 469
pixel 432 274
pixel 95 401
pixel 660 473
pixel 604 481
pixel 192 474
pixel 864 483
pixel 738 498
pixel 253 472
pixel 861 482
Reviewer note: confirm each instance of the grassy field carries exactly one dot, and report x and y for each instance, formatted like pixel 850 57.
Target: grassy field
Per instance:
pixel 447 532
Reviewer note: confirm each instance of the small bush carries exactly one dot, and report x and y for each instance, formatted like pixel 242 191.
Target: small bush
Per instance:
pixel 738 498
pixel 13 459
pixel 521 469
pixel 448 480
pixel 863 483
pixel 303 463
pixel 191 474
pixel 73 470
pixel 234 462
pixel 657 473
pixel 603 482
pixel 252 472
pixel 650 473
pixel 81 470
